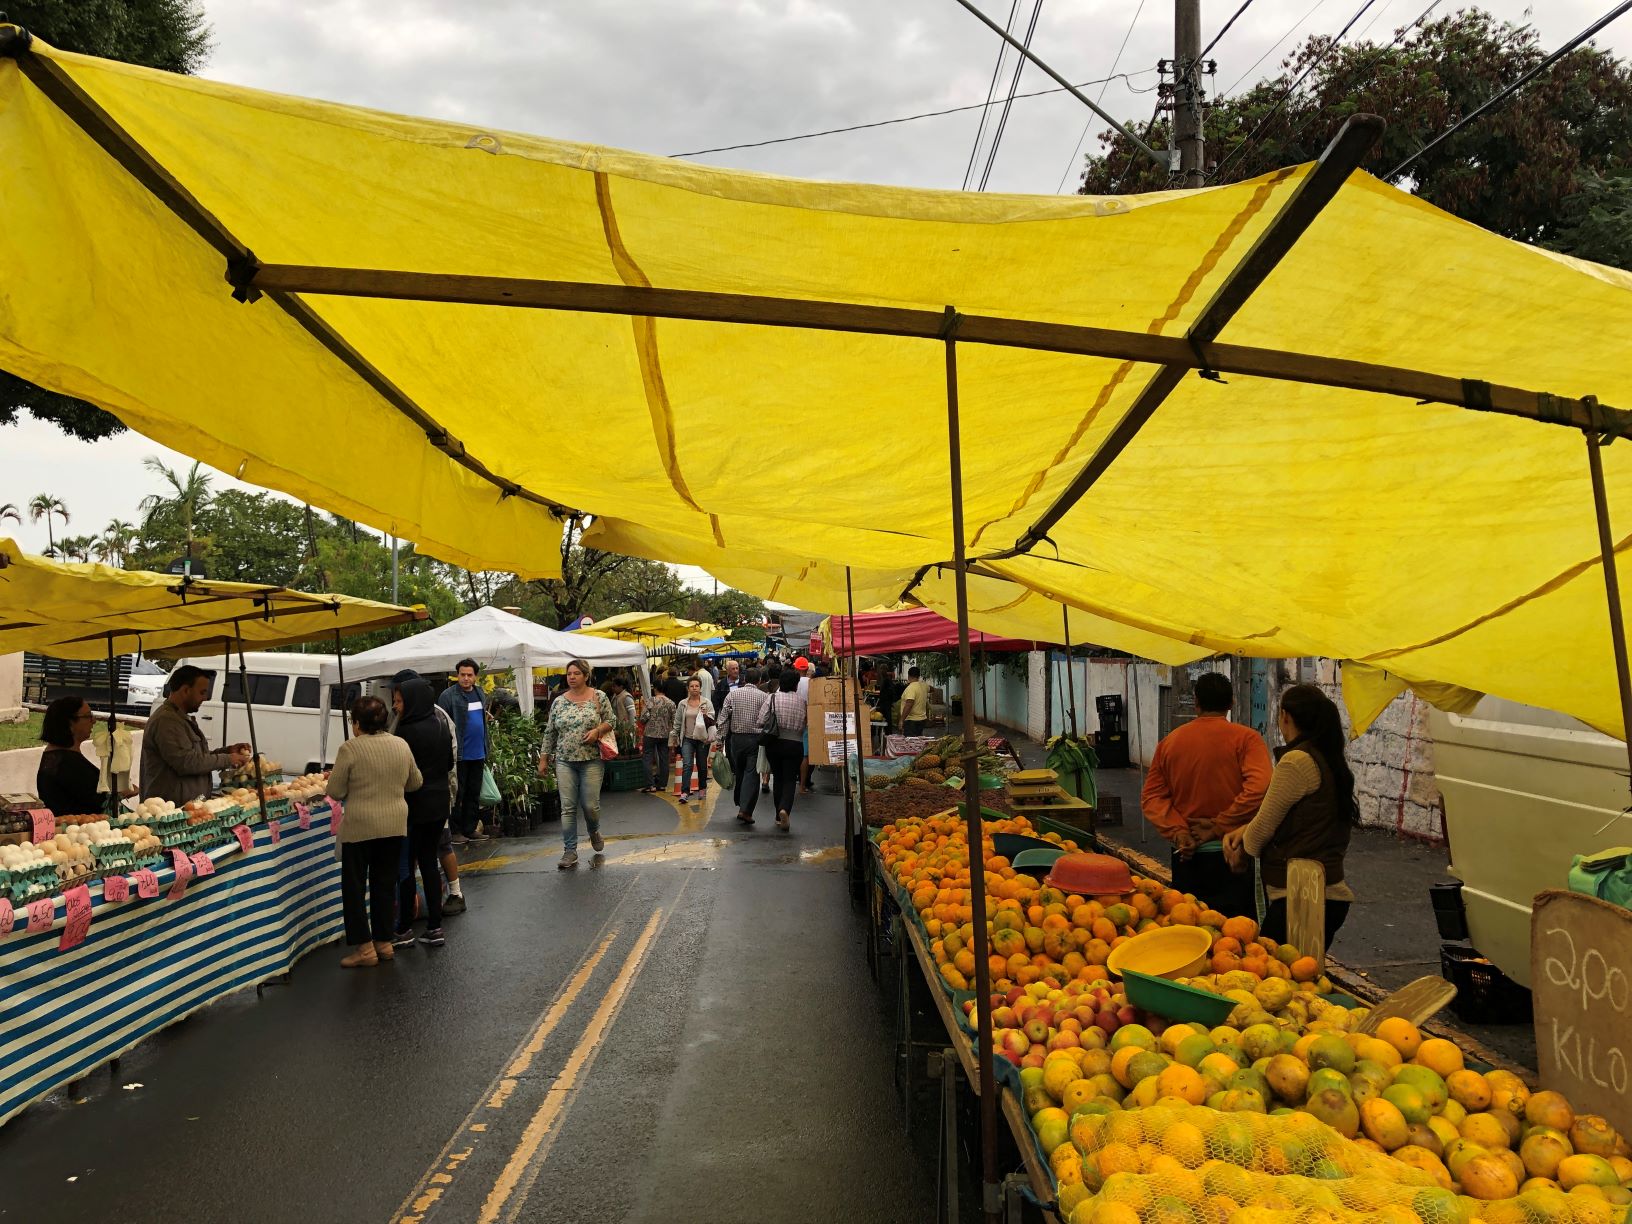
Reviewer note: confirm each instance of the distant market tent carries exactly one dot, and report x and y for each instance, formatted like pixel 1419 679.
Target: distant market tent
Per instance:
pixel 1304 414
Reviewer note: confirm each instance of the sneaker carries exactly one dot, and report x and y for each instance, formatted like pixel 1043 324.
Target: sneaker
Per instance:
pixel 453 903
pixel 433 938
pixel 569 859
pixel 478 836
pixel 459 839
pixel 403 939
pixel 685 796
pixel 596 840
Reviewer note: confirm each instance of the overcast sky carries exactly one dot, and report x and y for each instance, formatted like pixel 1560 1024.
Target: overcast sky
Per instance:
pixel 674 76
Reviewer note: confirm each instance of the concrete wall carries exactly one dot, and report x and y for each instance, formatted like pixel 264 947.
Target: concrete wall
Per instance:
pixel 11 688
pixel 19 767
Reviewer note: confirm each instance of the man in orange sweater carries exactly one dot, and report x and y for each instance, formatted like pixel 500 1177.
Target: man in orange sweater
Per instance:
pixel 1208 777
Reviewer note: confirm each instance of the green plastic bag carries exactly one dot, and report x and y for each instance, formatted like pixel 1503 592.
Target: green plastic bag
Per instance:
pixel 722 771
pixel 1075 761
pixel 1606 875
pixel 490 796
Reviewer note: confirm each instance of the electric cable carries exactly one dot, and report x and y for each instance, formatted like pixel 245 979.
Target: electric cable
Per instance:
pixel 1501 96
pixel 1114 63
pixel 1291 30
pixel 991 92
pixel 1225 30
pixel 1008 103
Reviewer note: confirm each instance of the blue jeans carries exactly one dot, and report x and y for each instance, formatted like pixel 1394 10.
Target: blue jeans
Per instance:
pixel 580 785
pixel 693 752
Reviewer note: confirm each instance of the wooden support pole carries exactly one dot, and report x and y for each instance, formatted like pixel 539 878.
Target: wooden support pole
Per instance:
pixel 1612 589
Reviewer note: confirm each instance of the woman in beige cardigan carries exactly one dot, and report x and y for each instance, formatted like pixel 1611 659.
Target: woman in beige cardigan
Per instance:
pixel 373 773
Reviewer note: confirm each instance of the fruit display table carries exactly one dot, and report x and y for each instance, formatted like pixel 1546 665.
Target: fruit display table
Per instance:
pixel 145 963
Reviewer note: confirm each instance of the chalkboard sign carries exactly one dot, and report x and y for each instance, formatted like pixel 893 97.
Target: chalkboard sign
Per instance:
pixel 1581 975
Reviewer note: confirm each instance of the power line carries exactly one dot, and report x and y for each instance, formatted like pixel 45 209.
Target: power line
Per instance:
pixel 1244 7
pixel 1497 99
pixel 934 114
pixel 1090 123
pixel 1290 31
pixel 1287 93
pixel 1008 103
pixel 991 91
pixel 1372 61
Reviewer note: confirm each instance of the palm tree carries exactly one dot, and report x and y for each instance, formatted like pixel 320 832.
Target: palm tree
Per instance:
pixel 76 548
pixel 189 495
pixel 46 506
pixel 9 511
pixel 114 546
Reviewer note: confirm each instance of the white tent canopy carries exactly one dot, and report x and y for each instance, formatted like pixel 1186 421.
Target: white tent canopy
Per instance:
pixel 494 638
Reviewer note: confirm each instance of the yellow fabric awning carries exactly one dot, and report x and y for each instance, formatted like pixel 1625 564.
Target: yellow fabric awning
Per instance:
pixel 69 610
pixel 1249 514
pixel 643 627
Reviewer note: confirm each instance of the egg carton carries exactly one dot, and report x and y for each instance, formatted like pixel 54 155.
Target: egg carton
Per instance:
pixel 112 854
pixel 183 838
pixel 279 807
pixel 32 882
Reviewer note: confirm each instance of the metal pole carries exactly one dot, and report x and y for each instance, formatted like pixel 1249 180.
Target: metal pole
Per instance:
pixel 113 725
pixel 226 706
pixel 1070 674
pixel 1612 588
pixel 249 713
pixel 990 1191
pixel 985 709
pixel 1187 91
pixel 861 772
pixel 851 864
pixel 340 666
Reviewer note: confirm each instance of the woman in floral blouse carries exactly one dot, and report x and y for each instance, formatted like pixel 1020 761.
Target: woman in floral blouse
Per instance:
pixel 578 719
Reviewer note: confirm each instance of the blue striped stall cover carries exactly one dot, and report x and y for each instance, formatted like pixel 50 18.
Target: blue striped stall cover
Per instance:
pixel 148 964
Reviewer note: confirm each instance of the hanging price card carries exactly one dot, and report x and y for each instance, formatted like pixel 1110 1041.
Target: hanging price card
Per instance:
pixel 337 813
pixel 275 827
pixel 305 814
pixel 246 839
pixel 147 884
pixel 40 914
pixel 7 918
pixel 78 925
pixel 116 888
pixel 45 825
pixel 184 872
pixel 203 864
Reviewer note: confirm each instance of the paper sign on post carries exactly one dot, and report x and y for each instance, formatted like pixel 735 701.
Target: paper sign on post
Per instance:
pixel 40 914
pixel 184 872
pixel 7 918
pixel 305 814
pixel 203 864
pixel 78 925
pixel 246 839
pixel 275 827
pixel 45 825
pixel 147 884
pixel 116 888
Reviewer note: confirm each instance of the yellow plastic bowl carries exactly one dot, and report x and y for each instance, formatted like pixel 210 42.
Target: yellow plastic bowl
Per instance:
pixel 1170 952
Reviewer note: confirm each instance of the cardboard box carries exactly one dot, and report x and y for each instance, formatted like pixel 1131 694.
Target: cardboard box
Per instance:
pixel 831 723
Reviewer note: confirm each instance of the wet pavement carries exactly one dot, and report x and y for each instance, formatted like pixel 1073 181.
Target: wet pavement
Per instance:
pixel 681 1029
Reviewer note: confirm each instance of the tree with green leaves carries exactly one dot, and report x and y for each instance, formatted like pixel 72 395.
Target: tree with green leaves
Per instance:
pixel 76 548
pixel 1520 170
pixel 172 35
pixel 189 496
pixel 114 545
pixel 48 507
pixel 8 510
pixel 737 612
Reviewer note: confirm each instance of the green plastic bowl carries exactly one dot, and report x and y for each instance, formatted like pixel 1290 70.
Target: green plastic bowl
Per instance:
pixel 1173 1001
pixel 1036 861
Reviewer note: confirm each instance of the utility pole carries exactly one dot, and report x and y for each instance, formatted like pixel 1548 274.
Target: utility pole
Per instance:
pixel 1187 91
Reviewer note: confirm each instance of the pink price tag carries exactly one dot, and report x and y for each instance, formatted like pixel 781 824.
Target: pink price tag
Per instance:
pixel 147 884
pixel 116 888
pixel 78 924
pixel 246 839
pixel 7 918
pixel 337 813
pixel 275 827
pixel 40 914
pixel 45 825
pixel 305 814
pixel 184 872
pixel 203 864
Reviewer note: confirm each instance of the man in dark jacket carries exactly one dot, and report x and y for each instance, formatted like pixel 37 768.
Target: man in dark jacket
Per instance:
pixel 427 738
pixel 466 704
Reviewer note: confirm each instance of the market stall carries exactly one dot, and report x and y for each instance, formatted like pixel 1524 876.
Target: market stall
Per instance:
pixel 116 924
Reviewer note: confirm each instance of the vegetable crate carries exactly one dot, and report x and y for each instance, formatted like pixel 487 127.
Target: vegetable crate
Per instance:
pixel 626 774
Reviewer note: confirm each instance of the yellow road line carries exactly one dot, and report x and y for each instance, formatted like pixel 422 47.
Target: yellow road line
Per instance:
pixel 561 1093
pixel 429 1189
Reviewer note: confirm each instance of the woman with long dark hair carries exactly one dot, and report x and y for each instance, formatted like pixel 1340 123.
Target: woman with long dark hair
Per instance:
pixel 66 781
pixel 786 748
pixel 572 747
pixel 1307 812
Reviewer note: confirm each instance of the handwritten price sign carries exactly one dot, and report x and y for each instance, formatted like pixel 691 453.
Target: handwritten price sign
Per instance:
pixel 147 884
pixel 184 872
pixel 7 918
pixel 203 864
pixel 246 839
pixel 274 826
pixel 40 914
pixel 78 925
pixel 305 814
pixel 116 888
pixel 45 824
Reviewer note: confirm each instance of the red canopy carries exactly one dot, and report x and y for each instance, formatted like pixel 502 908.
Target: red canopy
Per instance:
pixel 906 630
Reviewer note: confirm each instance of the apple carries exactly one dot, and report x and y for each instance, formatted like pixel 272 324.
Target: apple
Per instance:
pixel 1070 1024
pixel 1013 995
pixel 1037 1031
pixel 1013 1042
pixel 1022 1010
pixel 968 1007
pixel 1093 1038
pixel 1004 1018
pixel 1063 1040
pixel 1126 1014
pixel 1108 1021
pixel 1013 1058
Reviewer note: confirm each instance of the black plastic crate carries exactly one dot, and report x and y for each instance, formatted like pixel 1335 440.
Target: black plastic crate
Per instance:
pixel 1449 913
pixel 1484 994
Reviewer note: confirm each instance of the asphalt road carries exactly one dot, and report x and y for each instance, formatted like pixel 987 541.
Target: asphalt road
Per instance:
pixel 682 1029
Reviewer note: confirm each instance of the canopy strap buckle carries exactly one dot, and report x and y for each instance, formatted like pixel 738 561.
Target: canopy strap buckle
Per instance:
pixel 241 270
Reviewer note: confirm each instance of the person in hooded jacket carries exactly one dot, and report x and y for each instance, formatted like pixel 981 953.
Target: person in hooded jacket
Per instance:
pixel 428 808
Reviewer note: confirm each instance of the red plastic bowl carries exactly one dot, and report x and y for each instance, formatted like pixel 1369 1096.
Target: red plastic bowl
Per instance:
pixel 1090 875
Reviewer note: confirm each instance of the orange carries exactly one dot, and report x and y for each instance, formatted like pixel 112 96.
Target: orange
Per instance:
pixel 1243 929
pixel 1439 1056
pixel 1120 1061
pixel 1469 1090
pixel 1183 1082
pixel 1401 1034
pixel 1184 914
pixel 1307 969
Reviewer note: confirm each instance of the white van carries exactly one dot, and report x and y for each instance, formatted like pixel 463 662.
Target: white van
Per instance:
pixel 283 690
pixel 1525 791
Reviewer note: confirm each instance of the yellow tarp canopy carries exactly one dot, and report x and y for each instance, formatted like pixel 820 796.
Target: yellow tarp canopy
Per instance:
pixel 69 610
pixel 645 627
pixel 1251 515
